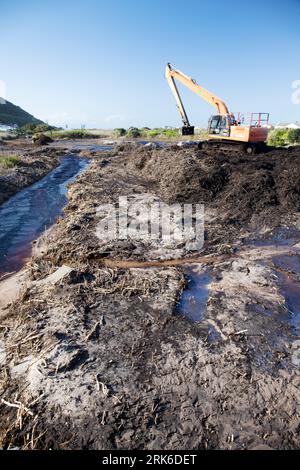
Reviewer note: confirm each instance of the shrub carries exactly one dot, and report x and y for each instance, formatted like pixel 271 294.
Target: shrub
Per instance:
pixel 41 139
pixel 27 129
pixel 154 132
pixel 71 134
pixel 119 132
pixel 43 128
pixel 9 161
pixel 34 128
pixel 278 137
pixel 294 136
pixel 160 132
pixel 170 132
pixel 133 132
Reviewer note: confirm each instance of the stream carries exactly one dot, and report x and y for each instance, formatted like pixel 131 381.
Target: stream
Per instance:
pixel 34 209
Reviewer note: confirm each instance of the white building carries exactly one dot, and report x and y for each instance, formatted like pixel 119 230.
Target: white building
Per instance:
pixel 5 128
pixel 288 125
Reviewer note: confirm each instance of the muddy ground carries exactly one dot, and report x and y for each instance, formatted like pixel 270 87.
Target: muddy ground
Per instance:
pixel 34 163
pixel 96 354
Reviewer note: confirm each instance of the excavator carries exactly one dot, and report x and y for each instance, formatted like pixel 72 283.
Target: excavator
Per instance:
pixel 226 131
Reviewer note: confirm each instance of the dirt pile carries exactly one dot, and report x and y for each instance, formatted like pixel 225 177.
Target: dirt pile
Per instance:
pixel 41 139
pixel 260 188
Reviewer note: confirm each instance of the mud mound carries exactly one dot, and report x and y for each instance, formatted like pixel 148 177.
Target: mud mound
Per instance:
pixel 41 139
pixel 244 188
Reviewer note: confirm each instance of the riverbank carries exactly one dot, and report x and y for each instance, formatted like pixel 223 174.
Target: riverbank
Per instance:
pixel 31 162
pixel 102 356
pixel 28 165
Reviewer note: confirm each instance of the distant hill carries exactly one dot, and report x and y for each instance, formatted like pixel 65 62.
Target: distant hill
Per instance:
pixel 11 114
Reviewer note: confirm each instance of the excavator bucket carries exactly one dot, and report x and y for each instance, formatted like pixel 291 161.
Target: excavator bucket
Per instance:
pixel 188 130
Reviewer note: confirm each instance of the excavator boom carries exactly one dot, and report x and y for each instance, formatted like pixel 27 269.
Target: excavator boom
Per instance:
pixel 178 99
pixel 190 83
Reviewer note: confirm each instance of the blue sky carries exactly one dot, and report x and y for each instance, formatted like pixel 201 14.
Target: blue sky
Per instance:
pixel 101 63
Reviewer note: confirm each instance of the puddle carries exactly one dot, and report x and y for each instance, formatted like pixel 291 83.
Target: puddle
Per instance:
pixel 289 263
pixel 282 253
pixel 287 269
pixel 282 236
pixel 194 298
pixel 72 145
pixel 27 214
pixel 290 289
pixel 90 147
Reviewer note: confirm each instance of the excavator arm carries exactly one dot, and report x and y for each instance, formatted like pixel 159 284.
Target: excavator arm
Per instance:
pixel 172 75
pixel 174 89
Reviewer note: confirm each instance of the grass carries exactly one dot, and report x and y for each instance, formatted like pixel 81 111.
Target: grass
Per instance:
pixel 159 133
pixel 141 133
pixel 9 161
pixel 174 134
pixel 78 134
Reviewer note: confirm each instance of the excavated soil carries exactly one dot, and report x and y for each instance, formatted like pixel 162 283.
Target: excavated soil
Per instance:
pixel 95 354
pixel 246 188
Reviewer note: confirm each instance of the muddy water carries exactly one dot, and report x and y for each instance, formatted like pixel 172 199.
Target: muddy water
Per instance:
pixel 27 214
pixel 288 271
pixel 284 256
pixel 94 148
pixel 75 145
pixel 194 297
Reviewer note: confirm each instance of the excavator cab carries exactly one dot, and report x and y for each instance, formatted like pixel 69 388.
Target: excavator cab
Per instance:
pixel 251 132
pixel 219 124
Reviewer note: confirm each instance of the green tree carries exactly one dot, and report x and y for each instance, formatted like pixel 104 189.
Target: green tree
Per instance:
pixel 170 132
pixel 294 136
pixel 279 137
pixel 43 128
pixel 27 129
pixel 133 132
pixel 119 132
pixel 154 132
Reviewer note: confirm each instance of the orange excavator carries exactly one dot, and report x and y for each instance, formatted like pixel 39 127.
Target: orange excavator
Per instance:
pixel 225 130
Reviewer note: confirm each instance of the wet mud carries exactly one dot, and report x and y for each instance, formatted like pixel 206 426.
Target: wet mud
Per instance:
pixel 97 354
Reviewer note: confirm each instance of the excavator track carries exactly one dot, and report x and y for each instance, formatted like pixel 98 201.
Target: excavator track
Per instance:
pixel 230 147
